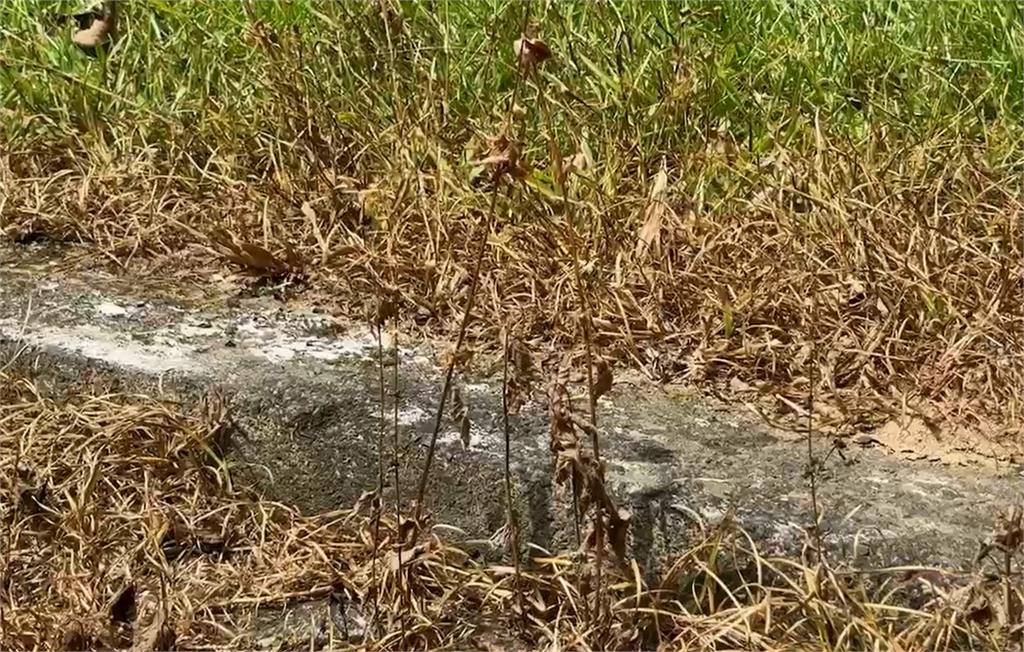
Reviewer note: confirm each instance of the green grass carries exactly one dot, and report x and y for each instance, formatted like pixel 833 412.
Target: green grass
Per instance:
pixel 868 154
pixel 660 75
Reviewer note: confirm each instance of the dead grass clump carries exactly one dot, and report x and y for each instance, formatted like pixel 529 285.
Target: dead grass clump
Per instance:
pixel 122 527
pixel 914 266
pixel 721 214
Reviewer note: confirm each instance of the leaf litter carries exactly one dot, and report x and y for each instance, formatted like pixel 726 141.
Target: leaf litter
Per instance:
pixel 122 528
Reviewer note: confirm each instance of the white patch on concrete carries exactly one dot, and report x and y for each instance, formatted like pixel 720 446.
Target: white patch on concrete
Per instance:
pixel 99 344
pixel 275 344
pixel 170 347
pixel 638 476
pixel 411 416
pixel 277 353
pixel 190 330
pixel 481 439
pixel 452 437
pixel 282 347
pixel 111 309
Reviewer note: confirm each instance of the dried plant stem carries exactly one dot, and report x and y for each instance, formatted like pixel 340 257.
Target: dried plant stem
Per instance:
pixel 812 463
pixel 397 463
pixel 595 440
pixel 513 520
pixel 577 519
pixel 481 248
pixel 378 506
pixel 1011 616
pixel 588 340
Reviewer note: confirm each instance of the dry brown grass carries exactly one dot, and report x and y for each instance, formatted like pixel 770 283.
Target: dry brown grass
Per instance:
pixel 915 266
pixel 855 247
pixel 121 525
pixel 857 232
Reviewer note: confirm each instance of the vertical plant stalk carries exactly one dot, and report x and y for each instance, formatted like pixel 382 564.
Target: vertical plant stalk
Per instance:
pixel 588 340
pixel 396 461
pixel 481 248
pixel 378 504
pixel 812 463
pixel 513 521
pixel 1011 616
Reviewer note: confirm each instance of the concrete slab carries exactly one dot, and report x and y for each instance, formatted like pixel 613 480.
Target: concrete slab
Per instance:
pixel 304 396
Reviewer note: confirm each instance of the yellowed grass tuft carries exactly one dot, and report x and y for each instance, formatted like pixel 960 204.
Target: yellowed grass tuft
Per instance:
pixel 121 526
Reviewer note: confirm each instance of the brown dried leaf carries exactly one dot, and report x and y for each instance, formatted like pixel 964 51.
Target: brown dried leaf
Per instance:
pixel 557 164
pixel 603 382
pixel 502 157
pixel 531 52
pixel 737 385
pixel 308 212
pixel 520 378
pixel 1009 530
pixel 618 532
pixel 464 427
pixel 258 257
pixel 253 257
pixel 386 309
pixel 580 162
pixel 522 359
pixel 649 240
pixel 406 557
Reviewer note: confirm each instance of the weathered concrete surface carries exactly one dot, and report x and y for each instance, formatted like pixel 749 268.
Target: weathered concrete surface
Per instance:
pixel 305 398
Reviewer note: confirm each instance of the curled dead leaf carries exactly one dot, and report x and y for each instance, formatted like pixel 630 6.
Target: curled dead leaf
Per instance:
pixel 386 309
pixel 406 557
pixel 531 52
pixel 1009 529
pixel 521 375
pixel 649 239
pixel 502 157
pixel 308 212
pixel 578 163
pixel 603 381
pixel 98 27
pixel 618 532
pixel 252 256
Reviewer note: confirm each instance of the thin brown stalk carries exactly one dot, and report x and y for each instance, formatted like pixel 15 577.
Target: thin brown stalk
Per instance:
pixel 378 506
pixel 588 339
pixel 811 461
pixel 396 461
pixel 513 520
pixel 481 248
